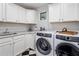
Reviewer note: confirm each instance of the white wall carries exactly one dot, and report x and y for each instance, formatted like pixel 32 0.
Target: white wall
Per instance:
pixel 13 27
pixel 43 23
pixel 55 26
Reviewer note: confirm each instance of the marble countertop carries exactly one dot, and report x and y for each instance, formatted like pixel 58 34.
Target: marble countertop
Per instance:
pixel 17 34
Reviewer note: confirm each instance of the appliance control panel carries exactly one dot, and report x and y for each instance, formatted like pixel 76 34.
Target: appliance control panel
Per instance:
pixel 44 35
pixel 67 38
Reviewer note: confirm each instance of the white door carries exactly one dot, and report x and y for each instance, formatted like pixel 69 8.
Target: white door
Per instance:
pixel 69 11
pixel 11 12
pixel 1 11
pixel 54 13
pixel 6 49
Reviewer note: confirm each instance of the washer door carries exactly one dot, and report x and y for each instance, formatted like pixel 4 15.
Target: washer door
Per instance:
pixel 66 49
pixel 43 46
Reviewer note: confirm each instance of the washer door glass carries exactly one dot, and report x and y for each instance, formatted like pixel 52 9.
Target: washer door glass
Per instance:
pixel 43 46
pixel 66 49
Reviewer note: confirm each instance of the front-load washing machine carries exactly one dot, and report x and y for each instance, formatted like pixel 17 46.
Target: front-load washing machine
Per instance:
pixel 66 45
pixel 44 43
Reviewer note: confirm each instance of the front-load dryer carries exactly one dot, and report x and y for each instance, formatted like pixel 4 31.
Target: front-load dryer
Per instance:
pixel 44 43
pixel 66 45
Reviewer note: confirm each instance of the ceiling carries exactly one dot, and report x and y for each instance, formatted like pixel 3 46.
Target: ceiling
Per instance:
pixel 32 5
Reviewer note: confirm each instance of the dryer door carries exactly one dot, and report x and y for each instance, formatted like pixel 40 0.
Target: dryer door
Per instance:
pixel 43 46
pixel 67 49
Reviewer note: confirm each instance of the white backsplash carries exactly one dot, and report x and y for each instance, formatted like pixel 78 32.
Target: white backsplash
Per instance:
pixel 13 27
pixel 74 26
pixel 55 26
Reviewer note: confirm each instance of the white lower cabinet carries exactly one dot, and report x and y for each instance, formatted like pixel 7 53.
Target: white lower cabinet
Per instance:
pixel 30 16
pixel 11 12
pixel 18 44
pixel 2 12
pixel 18 47
pixel 15 45
pixel 29 41
pixel 6 47
pixel 54 13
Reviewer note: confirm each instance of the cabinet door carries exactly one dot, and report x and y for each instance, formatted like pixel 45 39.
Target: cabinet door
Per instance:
pixel 6 49
pixel 4 11
pixel 69 11
pixel 11 12
pixel 0 11
pixel 30 16
pixel 30 41
pixel 24 15
pixel 21 14
pixel 19 46
pixel 26 41
pixel 77 11
pixel 54 13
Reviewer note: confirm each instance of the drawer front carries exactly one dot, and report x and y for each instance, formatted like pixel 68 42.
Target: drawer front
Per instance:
pixel 18 37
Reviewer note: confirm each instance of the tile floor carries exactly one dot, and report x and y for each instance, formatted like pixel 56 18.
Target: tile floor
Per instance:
pixel 30 52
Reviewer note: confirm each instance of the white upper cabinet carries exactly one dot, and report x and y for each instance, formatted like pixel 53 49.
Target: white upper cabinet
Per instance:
pixel 69 11
pixel 26 15
pixel 54 13
pixel 77 11
pixel 11 12
pixel 0 11
pixel 63 12
pixel 30 16
pixel 21 14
